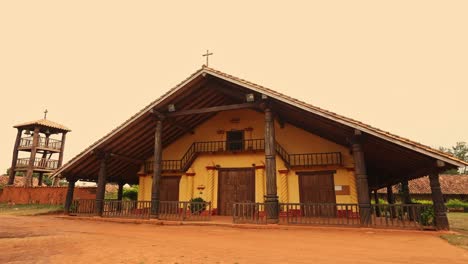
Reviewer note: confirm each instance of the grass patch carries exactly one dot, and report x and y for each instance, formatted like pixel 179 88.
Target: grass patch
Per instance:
pixel 457 240
pixel 29 209
pixel 458 222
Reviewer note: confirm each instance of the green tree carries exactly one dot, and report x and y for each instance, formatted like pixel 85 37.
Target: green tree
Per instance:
pixel 460 151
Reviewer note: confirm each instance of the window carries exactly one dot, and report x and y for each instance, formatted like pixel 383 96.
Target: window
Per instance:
pixel 235 140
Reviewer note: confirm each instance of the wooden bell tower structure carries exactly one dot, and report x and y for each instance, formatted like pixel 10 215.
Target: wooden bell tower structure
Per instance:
pixel 38 149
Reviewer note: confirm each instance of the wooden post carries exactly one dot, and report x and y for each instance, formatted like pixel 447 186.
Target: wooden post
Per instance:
pixel 101 185
pixel 271 198
pixel 376 201
pixel 120 191
pixel 391 200
pixel 440 210
pixel 405 193
pixel 390 196
pixel 29 173
pixel 69 198
pixel 155 188
pixel 44 157
pixel 12 172
pixel 60 159
pixel 361 179
pixel 39 182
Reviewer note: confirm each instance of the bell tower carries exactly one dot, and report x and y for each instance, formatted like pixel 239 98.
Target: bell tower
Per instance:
pixel 38 149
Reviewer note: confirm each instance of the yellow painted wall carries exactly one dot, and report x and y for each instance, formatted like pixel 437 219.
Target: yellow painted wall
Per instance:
pixel 294 140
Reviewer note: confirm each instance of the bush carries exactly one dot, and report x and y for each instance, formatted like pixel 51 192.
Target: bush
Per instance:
pixel 197 205
pixel 427 216
pixel 428 202
pixel 456 203
pixel 130 193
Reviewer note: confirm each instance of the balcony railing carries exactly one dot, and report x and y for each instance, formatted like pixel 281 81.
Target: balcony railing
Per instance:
pixel 291 160
pixel 49 143
pixel 39 163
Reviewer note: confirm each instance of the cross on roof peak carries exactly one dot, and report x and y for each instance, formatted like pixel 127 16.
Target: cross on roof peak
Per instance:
pixel 207 54
pixel 45 114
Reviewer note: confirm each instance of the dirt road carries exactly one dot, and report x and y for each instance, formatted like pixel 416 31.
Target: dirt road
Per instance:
pixel 48 239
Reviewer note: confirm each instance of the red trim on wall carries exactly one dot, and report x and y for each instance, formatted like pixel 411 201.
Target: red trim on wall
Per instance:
pixel 211 167
pixel 283 171
pixel 190 173
pixel 257 167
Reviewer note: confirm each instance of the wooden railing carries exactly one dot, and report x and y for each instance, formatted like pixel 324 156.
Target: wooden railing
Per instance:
pixel 83 207
pixel 319 214
pixel 39 163
pixel 402 216
pixel 315 159
pixel 127 209
pixel 249 213
pixel 27 142
pixel 302 160
pixel 184 211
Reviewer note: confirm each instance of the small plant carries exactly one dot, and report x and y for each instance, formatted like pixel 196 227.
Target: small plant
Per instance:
pixel 456 203
pixel 427 216
pixel 427 202
pixel 197 205
pixel 130 193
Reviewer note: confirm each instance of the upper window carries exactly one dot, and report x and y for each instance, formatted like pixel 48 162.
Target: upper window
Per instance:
pixel 235 140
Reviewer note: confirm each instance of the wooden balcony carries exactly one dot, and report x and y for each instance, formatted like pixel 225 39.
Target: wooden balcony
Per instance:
pixel 39 164
pixel 44 143
pixel 249 145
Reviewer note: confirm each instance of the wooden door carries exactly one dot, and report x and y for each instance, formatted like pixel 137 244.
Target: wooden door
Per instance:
pixel 169 190
pixel 317 188
pixel 235 185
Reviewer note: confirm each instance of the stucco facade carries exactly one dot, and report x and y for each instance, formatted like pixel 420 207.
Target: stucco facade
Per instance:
pixel 203 172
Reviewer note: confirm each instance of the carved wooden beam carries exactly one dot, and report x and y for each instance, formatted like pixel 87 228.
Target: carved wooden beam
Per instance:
pixel 212 109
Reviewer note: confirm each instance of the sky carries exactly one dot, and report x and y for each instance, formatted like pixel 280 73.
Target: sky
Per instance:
pixel 397 65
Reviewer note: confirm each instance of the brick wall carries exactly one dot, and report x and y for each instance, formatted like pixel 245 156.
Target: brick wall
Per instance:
pixel 43 195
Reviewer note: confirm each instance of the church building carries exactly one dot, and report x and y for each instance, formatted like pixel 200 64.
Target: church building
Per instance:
pixel 250 152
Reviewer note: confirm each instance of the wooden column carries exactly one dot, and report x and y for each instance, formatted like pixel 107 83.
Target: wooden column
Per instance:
pixel 391 200
pixel 376 201
pixel 440 210
pixel 390 196
pixel 29 173
pixel 155 188
pixel 361 179
pixel 69 198
pixel 405 193
pixel 39 181
pixel 271 197
pixel 101 184
pixel 12 172
pixel 60 159
pixel 120 191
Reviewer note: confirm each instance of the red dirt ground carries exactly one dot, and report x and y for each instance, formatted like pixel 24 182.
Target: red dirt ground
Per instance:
pixel 49 239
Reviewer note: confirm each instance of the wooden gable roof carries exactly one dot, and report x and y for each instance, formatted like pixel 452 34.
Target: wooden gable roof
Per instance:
pixel 388 156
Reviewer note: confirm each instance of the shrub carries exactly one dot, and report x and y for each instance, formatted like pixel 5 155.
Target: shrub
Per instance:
pixel 381 201
pixel 421 201
pixel 197 205
pixel 427 216
pixel 130 193
pixel 456 203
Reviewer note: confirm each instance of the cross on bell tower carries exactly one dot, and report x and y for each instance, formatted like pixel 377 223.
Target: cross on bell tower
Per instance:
pixel 207 55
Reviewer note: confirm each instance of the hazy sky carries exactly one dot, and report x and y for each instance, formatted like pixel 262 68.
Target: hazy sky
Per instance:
pixel 400 65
